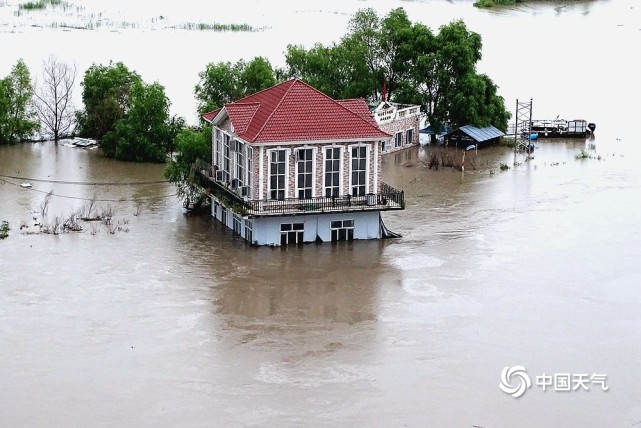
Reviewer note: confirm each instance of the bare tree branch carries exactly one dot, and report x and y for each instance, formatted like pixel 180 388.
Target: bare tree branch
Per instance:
pixel 54 102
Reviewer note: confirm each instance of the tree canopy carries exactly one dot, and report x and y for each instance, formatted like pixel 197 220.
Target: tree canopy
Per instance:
pixel 395 59
pixel 224 82
pixel 190 146
pixel 18 119
pixel 106 94
pixel 143 133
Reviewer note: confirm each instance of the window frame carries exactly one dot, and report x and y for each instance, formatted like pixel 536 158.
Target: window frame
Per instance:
pixel 339 172
pixel 364 171
pixel 285 174
pixel 310 191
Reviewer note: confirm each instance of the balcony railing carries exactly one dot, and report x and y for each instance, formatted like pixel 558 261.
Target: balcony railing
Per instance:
pixel 388 198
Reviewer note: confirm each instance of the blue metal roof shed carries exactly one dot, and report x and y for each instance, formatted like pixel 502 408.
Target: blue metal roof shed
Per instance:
pixel 469 134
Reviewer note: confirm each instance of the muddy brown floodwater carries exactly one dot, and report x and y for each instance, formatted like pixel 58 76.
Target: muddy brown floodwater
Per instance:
pixel 163 319
pixel 174 321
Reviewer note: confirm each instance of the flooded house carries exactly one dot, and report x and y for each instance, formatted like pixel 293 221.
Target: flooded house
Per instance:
pixel 401 121
pixel 291 165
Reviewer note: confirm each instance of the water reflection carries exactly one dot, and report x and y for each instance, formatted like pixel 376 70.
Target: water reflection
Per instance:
pixel 281 285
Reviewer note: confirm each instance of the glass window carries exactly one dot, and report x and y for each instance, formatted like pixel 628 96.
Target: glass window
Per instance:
pixel 342 230
pixel 292 233
pixel 409 136
pixel 332 171
pixel 304 177
pixel 277 174
pixel 398 139
pixel 359 170
pixel 240 163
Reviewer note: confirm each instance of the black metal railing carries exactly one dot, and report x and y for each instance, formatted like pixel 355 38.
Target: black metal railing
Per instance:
pixel 204 175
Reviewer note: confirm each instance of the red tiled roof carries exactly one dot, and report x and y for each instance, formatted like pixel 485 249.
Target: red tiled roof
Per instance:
pixel 359 106
pixel 210 115
pixel 295 111
pixel 241 115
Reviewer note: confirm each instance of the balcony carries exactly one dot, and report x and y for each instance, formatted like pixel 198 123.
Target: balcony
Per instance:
pixel 203 176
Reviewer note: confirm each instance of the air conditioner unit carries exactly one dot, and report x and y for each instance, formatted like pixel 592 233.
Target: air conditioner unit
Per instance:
pixel 244 191
pixel 220 176
pixel 234 183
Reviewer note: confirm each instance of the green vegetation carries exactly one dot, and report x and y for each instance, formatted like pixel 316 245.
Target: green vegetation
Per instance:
pixel 106 94
pixel 143 134
pixel 190 146
pixel 33 5
pixel 18 119
pixel 413 64
pixel 224 82
pixel 201 26
pixel 38 5
pixel 129 117
pixel 4 229
pixel 388 57
pixel 504 167
pixel 585 154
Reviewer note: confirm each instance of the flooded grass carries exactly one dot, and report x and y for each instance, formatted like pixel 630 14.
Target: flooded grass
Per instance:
pixel 69 16
pixel 38 5
pixel 4 229
pixel 201 26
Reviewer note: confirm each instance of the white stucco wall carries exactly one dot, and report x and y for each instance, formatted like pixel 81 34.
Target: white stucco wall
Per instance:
pixel 266 230
pixel 366 226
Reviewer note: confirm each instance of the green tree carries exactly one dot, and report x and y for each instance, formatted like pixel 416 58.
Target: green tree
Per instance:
pixel 443 75
pixel 257 75
pixel 475 101
pixel 397 46
pixel 217 86
pixel 106 94
pixel 142 134
pixel 224 82
pixel 18 119
pixel 190 145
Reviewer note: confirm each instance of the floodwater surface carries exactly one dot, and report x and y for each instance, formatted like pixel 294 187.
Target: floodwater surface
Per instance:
pixel 161 318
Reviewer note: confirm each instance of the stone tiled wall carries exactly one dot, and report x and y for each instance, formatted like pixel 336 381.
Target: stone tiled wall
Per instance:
pixel 374 163
pixel 410 122
pixel 319 159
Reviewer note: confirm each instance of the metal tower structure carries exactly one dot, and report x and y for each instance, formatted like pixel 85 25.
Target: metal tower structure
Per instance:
pixel 523 126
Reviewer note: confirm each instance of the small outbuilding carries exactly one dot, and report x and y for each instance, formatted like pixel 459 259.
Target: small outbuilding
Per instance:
pixel 468 135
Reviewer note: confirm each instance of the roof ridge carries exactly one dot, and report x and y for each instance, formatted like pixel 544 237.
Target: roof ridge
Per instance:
pixel 258 92
pixel 362 119
pixel 277 106
pixel 254 107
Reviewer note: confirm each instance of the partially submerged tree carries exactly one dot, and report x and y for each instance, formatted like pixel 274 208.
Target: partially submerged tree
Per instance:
pixel 18 119
pixel 142 134
pixel 54 98
pixel 190 146
pixel 106 94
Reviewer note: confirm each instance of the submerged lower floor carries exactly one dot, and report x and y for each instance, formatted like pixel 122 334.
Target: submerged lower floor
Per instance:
pixel 298 229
